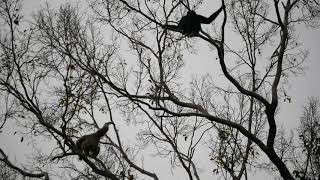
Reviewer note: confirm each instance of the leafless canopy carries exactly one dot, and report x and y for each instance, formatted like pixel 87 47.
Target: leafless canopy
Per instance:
pixel 73 69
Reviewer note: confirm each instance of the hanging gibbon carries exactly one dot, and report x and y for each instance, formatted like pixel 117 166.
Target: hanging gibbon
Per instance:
pixel 190 24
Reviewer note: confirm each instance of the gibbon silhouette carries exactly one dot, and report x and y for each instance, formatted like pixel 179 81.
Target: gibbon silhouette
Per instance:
pixel 190 24
pixel 89 144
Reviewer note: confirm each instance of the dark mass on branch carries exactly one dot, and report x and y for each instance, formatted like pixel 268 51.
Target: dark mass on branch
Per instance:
pixel 88 145
pixel 190 24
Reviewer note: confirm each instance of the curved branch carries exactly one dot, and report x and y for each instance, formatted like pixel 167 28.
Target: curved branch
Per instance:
pixel 119 147
pixel 224 67
pixel 22 172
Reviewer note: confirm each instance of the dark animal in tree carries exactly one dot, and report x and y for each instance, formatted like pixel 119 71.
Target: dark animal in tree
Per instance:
pixel 88 145
pixel 190 25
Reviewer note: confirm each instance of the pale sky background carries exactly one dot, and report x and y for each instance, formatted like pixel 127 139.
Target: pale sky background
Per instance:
pixel 300 88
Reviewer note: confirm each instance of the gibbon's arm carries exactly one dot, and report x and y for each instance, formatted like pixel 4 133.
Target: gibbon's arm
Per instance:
pixel 172 27
pixel 178 28
pixel 205 20
pixel 102 131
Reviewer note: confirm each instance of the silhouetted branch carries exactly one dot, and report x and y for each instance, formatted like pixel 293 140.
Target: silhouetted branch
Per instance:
pixel 24 173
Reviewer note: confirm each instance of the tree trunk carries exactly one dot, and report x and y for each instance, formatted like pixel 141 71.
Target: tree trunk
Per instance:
pixel 284 172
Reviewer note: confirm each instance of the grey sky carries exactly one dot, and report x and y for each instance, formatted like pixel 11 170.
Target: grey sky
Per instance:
pixel 299 89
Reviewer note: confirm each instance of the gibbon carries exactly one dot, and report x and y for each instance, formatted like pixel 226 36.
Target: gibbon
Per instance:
pixel 190 24
pixel 89 144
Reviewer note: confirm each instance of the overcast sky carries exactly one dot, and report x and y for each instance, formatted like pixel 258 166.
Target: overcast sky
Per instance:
pixel 300 87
